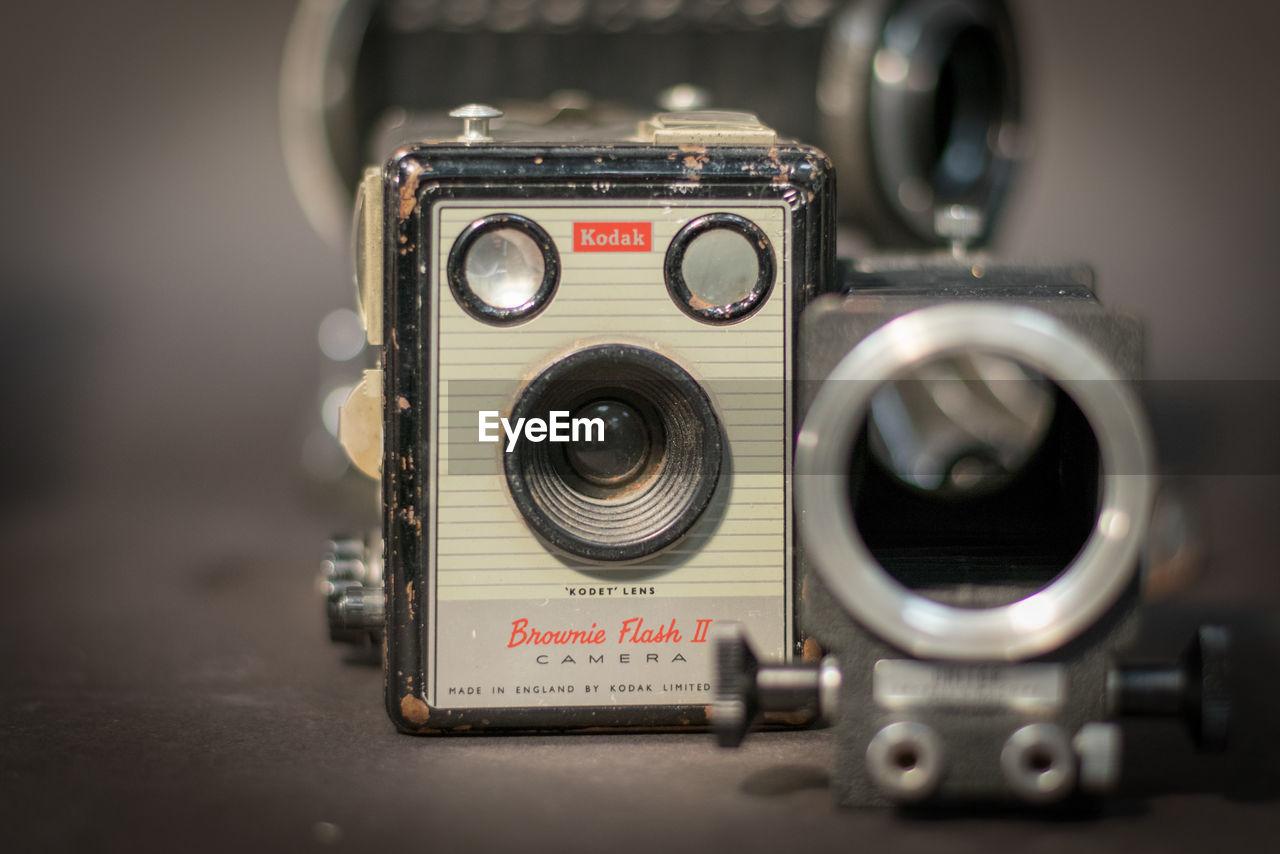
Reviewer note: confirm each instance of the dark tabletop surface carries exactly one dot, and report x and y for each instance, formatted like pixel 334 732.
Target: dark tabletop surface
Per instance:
pixel 169 685
pixel 165 681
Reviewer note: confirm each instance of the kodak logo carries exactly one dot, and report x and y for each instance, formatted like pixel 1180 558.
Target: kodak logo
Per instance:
pixel 612 236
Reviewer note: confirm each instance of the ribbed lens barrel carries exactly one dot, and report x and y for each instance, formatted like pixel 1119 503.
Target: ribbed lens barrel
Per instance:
pixel 636 483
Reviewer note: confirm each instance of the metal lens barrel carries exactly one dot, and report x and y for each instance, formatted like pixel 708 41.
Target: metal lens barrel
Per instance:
pixel 920 106
pixel 993 519
pixel 638 485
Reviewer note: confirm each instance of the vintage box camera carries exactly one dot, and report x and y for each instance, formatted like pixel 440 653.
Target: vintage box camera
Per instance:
pixel 581 417
pixel 974 477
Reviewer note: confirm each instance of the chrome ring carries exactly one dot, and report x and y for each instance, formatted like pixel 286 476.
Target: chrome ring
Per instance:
pixel 1043 621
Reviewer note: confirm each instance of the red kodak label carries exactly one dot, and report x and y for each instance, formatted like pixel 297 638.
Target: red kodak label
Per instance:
pixel 612 236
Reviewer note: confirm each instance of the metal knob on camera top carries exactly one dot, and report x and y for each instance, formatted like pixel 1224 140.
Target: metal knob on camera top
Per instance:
pixel 475 121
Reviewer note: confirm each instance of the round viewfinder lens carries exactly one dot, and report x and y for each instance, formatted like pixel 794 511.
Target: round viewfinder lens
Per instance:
pixel 505 268
pixel 720 267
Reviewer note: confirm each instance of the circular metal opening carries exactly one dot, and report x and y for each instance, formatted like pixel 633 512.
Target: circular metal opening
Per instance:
pixel 631 484
pixel 1039 764
pixel 906 760
pixel 974 480
pixel 1113 498
pixel 719 268
pixel 503 268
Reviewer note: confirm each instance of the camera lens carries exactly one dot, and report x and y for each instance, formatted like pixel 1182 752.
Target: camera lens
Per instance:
pixel 955 567
pixel 619 452
pixel 719 268
pixel 641 462
pixel 921 110
pixel 503 269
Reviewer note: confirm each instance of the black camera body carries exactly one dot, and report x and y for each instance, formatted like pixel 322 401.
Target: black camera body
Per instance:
pixel 974 481
pixel 646 282
pixel 932 714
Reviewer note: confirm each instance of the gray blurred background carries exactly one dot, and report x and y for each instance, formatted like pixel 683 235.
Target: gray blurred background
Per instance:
pixel 165 674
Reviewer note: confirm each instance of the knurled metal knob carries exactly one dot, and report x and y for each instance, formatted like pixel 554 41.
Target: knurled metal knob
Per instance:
pixel 743 687
pixel 735 697
pixel 1208 703
pixel 1195 689
pixel 355 604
